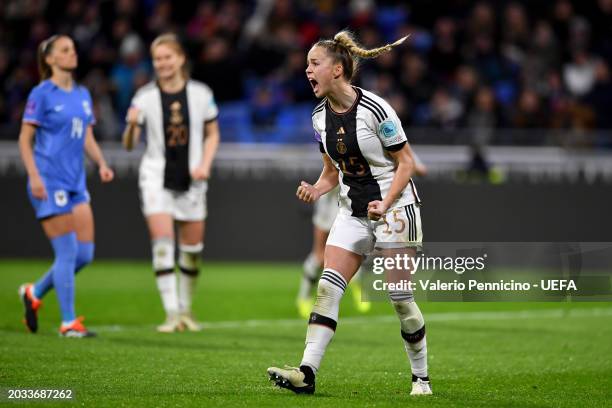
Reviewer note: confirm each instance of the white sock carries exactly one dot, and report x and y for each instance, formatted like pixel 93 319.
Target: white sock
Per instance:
pixel 412 330
pixel 312 267
pixel 189 259
pixel 166 283
pixel 163 265
pixel 186 287
pixel 324 317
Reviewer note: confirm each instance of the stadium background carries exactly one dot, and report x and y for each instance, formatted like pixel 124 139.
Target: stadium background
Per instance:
pixel 506 102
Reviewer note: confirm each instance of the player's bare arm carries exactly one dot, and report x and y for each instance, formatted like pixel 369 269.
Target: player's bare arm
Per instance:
pixel 211 144
pixel 95 154
pixel 403 173
pixel 326 182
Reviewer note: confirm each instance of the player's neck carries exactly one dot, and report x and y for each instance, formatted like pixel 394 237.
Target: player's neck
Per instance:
pixel 172 85
pixel 342 98
pixel 63 79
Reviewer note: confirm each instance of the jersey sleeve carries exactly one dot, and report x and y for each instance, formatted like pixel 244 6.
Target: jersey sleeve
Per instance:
pixel 317 135
pixel 89 110
pixel 390 131
pixel 212 111
pixel 34 111
pixel 138 102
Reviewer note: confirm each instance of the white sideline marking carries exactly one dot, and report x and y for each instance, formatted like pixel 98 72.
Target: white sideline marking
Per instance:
pixel 429 317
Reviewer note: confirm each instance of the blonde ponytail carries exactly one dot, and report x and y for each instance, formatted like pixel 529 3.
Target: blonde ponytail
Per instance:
pixel 345 38
pixel 345 50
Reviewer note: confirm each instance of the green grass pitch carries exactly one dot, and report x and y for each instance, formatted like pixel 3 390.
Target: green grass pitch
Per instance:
pixel 480 354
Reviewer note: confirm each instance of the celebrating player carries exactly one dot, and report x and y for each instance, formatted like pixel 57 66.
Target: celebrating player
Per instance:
pixel 58 118
pixel 180 118
pixel 325 212
pixel 364 149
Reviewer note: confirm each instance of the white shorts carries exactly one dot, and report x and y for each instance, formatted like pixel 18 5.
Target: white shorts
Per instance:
pixel 400 228
pixel 187 205
pixel 326 210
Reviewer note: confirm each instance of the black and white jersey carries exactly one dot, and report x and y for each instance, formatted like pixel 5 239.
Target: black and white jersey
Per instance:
pixel 358 142
pixel 174 126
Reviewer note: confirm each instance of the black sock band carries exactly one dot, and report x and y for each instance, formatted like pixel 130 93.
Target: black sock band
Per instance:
pixel 316 318
pixel 414 337
pixel 190 272
pixel 163 272
pixel 414 378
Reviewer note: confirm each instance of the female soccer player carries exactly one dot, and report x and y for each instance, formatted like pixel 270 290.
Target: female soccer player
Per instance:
pixel 59 119
pixel 325 212
pixel 364 149
pixel 180 118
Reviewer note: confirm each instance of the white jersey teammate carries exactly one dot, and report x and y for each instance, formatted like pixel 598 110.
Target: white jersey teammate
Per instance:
pixel 179 116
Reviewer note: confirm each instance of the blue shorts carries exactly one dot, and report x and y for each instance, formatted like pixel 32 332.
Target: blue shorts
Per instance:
pixel 59 201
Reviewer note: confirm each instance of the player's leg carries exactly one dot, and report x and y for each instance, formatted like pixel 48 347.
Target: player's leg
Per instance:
pixel 401 234
pixel 191 235
pixel 312 268
pixel 349 239
pixel 84 228
pixel 161 230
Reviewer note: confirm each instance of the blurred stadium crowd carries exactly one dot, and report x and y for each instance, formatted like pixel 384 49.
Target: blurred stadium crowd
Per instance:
pixel 479 64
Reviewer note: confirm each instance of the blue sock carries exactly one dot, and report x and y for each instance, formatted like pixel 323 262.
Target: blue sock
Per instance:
pixel 85 254
pixel 65 248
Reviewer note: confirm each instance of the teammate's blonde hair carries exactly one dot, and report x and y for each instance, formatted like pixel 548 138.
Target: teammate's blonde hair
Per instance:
pixel 345 50
pixel 171 40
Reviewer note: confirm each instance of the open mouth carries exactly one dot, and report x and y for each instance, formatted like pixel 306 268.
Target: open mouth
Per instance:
pixel 313 83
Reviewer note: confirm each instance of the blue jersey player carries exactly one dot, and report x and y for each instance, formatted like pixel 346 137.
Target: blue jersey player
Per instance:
pixel 56 132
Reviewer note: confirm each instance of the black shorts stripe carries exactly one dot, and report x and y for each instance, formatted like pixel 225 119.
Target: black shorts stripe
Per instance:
pixel 316 318
pixel 371 109
pixel 414 337
pixel 378 106
pixel 334 280
pixel 414 223
pixel 409 216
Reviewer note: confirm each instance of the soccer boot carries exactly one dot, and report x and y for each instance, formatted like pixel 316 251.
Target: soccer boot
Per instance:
pixel 31 306
pixel 189 322
pixel 76 329
pixel 420 386
pixel 172 324
pixel 291 378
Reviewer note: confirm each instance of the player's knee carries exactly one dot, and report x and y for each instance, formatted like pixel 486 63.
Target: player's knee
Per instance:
pixel 85 254
pixel 163 254
pixel 65 248
pixel 330 290
pixel 189 257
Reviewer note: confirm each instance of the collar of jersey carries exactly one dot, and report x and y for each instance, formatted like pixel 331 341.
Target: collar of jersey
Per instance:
pixel 357 99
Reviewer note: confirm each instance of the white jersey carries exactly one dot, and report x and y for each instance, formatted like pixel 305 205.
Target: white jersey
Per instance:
pixel 358 142
pixel 174 131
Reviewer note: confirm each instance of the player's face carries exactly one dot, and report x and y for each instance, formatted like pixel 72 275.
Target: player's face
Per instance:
pixel 321 71
pixel 167 62
pixel 63 54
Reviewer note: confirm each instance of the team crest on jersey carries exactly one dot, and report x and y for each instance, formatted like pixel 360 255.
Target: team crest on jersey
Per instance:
pixel 87 108
pixel 341 146
pixel 175 113
pixel 388 129
pixel 61 198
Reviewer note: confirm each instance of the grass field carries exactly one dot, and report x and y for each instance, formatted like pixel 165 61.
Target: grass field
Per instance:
pixel 481 354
